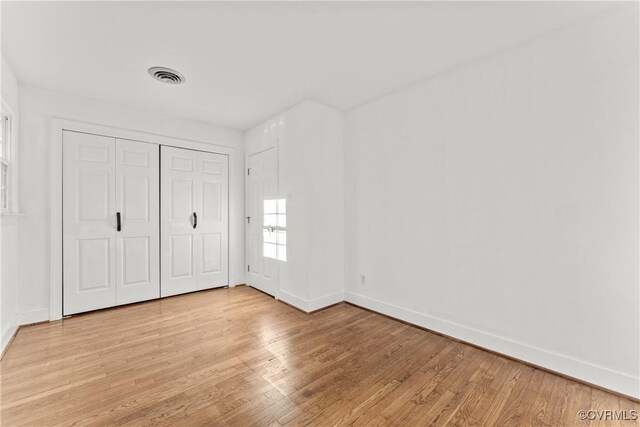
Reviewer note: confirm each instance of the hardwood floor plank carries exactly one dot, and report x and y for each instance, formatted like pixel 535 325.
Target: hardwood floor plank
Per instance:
pixel 237 357
pixel 474 392
pixel 521 400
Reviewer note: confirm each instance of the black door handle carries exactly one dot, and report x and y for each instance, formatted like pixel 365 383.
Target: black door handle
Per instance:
pixel 118 222
pixel 195 220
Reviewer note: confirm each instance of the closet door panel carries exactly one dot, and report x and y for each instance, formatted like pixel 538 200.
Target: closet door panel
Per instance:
pixel 137 242
pixel 178 236
pixel 88 222
pixel 212 201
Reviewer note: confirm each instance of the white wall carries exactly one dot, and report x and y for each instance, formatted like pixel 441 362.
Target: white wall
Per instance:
pixel 38 106
pixel 309 138
pixel 8 230
pixel 8 277
pixel 9 85
pixel 498 202
pixel 325 172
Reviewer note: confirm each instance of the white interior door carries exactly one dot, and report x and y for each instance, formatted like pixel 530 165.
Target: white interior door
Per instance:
pixel 177 200
pixel 194 220
pixel 138 202
pixel 212 207
pixel 89 222
pixel 266 222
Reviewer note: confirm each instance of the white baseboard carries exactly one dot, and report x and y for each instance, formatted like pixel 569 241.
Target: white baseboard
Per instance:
pixel 35 316
pixel 235 281
pixel 579 369
pixel 325 301
pixel 21 319
pixel 293 300
pixel 310 305
pixel 7 336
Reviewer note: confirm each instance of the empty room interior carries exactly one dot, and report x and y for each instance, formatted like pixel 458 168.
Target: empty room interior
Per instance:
pixel 320 213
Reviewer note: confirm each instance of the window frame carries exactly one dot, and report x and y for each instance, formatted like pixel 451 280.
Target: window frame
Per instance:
pixel 9 155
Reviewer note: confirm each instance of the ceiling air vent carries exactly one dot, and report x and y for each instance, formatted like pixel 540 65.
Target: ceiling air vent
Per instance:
pixel 166 75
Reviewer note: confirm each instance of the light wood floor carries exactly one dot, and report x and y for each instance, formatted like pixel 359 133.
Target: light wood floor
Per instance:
pixel 238 357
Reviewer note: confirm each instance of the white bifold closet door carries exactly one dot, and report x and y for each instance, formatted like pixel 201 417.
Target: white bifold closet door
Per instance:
pixel 194 220
pixel 110 222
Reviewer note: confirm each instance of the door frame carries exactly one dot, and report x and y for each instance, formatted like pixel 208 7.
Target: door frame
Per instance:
pixel 58 126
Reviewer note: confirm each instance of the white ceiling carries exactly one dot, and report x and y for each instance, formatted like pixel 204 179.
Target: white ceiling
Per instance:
pixel 245 62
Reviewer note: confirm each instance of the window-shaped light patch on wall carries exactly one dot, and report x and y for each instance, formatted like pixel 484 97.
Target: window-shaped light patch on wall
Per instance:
pixel 274 233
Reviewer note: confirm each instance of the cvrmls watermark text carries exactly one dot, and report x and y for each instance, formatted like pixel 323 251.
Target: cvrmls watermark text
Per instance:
pixel 608 415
